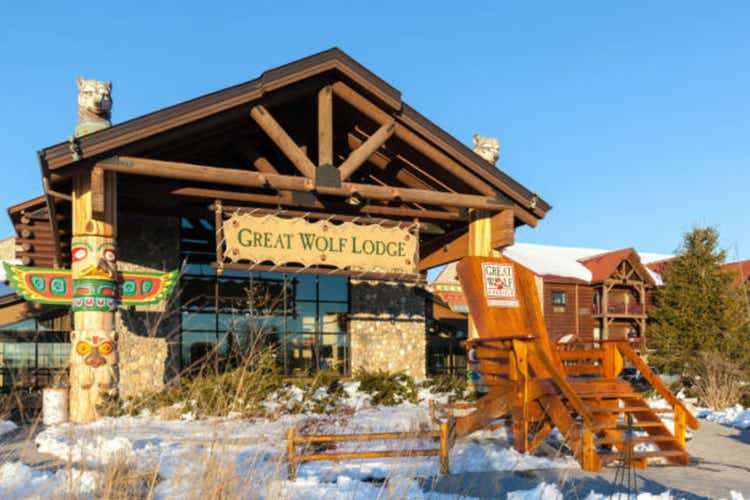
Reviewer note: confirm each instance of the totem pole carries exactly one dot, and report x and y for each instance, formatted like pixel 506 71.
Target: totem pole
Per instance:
pixel 92 286
pixel 93 356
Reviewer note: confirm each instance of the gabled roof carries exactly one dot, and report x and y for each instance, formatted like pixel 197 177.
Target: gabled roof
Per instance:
pixel 603 265
pixel 568 264
pixel 112 139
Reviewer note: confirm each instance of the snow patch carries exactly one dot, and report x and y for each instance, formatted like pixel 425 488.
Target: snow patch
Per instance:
pixel 21 481
pixel 7 426
pixel 734 416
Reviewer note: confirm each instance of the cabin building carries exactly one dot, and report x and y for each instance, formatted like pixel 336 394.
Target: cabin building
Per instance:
pixel 588 294
pixel 369 194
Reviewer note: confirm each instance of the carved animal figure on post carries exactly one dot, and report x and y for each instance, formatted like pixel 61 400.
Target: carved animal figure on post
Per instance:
pixel 486 147
pixel 94 106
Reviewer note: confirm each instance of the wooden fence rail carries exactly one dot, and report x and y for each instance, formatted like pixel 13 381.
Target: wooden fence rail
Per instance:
pixel 292 439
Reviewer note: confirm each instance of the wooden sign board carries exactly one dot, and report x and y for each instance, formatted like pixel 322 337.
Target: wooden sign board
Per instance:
pixel 368 248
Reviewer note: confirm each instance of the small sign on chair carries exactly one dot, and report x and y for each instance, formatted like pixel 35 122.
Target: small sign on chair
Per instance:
pixel 499 285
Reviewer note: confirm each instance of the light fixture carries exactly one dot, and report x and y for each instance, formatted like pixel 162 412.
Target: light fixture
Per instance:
pixel 353 200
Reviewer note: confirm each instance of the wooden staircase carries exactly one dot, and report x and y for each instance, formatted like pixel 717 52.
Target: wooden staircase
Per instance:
pixel 576 391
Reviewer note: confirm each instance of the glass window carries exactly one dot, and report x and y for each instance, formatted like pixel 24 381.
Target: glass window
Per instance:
pixel 306 287
pixel 197 346
pixel 26 325
pixel 303 315
pixel 446 353
pixel 334 288
pixel 333 317
pixel 198 321
pixel 558 298
pixel 19 354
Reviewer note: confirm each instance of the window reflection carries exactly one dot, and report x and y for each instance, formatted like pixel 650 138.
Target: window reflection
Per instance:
pixel 303 315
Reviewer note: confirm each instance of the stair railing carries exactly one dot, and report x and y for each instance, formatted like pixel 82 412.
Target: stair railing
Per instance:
pixel 682 417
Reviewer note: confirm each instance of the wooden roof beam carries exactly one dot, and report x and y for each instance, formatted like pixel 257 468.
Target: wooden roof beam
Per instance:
pixel 455 245
pixel 285 143
pixel 200 173
pixel 360 103
pixel 365 150
pixel 325 126
pixel 260 162
pixel 273 200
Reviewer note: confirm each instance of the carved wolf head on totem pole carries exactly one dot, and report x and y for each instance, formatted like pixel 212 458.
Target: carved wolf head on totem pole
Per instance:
pixel 94 106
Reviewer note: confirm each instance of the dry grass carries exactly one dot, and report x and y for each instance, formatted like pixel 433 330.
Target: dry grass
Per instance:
pixel 718 381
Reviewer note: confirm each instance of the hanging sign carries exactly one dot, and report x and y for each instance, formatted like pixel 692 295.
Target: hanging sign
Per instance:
pixel 358 247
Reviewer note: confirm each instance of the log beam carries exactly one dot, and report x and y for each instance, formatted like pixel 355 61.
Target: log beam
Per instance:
pixel 200 173
pixel 401 212
pixel 325 126
pixel 366 149
pixel 285 143
pixel 372 111
pixel 499 233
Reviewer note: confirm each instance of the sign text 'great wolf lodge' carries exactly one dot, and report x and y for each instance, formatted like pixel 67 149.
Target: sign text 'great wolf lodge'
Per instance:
pixel 347 245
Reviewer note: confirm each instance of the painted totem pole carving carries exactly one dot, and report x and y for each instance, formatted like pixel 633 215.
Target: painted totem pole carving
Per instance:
pixel 93 355
pixel 92 286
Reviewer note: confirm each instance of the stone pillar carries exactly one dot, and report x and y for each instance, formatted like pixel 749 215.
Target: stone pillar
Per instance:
pixel 93 357
pixel 148 336
pixel 387 327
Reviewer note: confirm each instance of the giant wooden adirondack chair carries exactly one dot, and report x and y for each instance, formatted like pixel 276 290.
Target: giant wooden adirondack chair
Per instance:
pixel 535 385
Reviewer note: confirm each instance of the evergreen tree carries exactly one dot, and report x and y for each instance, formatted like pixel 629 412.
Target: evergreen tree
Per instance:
pixel 699 308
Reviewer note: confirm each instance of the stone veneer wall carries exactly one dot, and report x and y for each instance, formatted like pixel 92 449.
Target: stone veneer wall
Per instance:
pixel 148 336
pixel 387 327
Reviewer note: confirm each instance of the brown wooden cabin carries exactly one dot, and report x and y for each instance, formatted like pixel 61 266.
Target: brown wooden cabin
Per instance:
pixel 321 137
pixel 588 295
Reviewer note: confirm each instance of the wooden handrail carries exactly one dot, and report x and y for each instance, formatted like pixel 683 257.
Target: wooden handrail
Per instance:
pixel 656 382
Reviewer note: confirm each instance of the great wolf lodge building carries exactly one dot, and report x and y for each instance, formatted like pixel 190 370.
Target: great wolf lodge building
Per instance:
pixel 307 203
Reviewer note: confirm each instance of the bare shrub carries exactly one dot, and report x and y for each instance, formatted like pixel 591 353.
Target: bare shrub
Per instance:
pixel 120 481
pixel 718 380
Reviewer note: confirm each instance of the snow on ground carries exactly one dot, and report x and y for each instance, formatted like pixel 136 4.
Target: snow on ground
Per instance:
pixel 251 453
pixel 734 416
pixel 21 481
pixel 6 427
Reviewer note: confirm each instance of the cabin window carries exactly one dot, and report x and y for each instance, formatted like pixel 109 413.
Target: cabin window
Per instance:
pixel 558 298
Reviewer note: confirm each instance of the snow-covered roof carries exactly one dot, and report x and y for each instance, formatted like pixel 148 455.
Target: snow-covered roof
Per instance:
pixel 549 260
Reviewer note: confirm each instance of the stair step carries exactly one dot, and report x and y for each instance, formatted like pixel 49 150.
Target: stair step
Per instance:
pixel 635 425
pixel 611 457
pixel 624 409
pixel 636 439
pixel 609 395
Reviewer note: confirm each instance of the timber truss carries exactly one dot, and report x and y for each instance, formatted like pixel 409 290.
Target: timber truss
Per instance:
pixel 321 135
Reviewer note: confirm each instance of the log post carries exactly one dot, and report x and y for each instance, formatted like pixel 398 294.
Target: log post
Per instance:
pixel 290 462
pixel 93 358
pixel 680 425
pixel 480 244
pixel 444 449
pixel 520 412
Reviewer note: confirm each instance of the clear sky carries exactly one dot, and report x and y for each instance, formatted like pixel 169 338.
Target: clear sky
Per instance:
pixel 632 118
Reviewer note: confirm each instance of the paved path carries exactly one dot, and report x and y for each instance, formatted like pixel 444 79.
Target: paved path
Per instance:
pixel 720 463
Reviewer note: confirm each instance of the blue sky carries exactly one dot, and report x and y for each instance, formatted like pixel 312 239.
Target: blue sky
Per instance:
pixel 631 119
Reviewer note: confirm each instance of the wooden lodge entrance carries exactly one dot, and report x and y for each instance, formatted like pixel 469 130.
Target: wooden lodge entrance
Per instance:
pixel 321 139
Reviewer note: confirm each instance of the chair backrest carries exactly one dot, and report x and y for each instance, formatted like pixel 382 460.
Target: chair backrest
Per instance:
pixel 502 298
